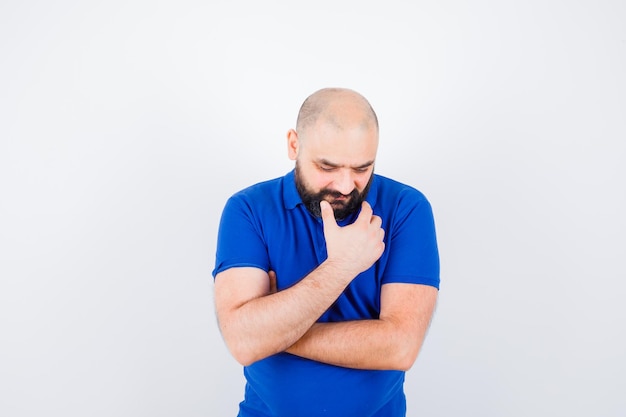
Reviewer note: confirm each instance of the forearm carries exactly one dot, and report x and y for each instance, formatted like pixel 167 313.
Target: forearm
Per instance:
pixel 272 322
pixel 391 342
pixel 361 344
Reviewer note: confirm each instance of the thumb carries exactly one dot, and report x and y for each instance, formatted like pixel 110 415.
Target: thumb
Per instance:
pixel 328 216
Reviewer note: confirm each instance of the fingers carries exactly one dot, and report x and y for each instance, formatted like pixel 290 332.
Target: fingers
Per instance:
pixel 366 209
pixel 366 215
pixel 328 215
pixel 272 276
pixel 355 247
pixel 373 221
pixel 376 221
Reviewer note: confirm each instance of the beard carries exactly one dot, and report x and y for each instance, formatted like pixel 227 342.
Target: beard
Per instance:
pixel 343 204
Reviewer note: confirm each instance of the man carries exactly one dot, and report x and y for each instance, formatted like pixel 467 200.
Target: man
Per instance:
pixel 326 279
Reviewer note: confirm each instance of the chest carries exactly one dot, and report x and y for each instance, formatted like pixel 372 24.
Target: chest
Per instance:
pixel 296 246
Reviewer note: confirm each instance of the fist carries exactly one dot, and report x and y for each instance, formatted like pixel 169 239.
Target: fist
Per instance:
pixel 357 246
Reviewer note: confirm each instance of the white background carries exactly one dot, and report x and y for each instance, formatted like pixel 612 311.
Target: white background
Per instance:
pixel 125 125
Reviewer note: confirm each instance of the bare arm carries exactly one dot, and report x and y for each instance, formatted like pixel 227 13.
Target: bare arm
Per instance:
pixel 257 323
pixel 391 342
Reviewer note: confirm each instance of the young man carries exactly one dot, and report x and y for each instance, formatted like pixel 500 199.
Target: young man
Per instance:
pixel 326 279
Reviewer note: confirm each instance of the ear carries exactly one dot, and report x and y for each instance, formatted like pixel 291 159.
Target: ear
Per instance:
pixel 293 145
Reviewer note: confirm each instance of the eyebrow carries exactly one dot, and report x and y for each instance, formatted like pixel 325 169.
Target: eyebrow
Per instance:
pixel 323 161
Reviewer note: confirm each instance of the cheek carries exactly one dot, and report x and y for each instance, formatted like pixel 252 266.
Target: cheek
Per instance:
pixel 322 180
pixel 312 178
pixel 362 181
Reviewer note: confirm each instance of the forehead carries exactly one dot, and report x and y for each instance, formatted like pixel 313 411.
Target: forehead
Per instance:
pixel 350 144
pixel 348 140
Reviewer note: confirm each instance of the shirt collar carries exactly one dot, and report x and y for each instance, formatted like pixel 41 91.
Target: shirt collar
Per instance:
pixel 291 197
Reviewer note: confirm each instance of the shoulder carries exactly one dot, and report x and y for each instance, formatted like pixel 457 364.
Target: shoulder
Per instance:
pixel 260 190
pixel 268 190
pixel 391 193
pixel 259 199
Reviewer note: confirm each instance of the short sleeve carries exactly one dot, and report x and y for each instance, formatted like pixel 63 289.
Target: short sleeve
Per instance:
pixel 240 241
pixel 412 245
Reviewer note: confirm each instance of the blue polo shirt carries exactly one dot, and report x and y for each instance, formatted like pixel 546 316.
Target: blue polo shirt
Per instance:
pixel 267 226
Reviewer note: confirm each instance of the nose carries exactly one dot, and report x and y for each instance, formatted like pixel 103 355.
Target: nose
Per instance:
pixel 344 182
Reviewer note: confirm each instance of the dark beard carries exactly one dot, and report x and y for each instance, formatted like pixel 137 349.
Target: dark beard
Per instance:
pixel 341 209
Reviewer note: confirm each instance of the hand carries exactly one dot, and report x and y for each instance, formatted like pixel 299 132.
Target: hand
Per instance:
pixel 357 246
pixel 272 277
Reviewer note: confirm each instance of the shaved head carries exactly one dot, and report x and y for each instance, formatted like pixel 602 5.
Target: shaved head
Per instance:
pixel 338 107
pixel 334 146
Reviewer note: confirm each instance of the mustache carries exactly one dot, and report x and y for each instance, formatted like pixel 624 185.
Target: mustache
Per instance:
pixel 337 194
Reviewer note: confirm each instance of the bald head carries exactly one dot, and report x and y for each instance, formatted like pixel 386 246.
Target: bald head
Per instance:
pixel 338 107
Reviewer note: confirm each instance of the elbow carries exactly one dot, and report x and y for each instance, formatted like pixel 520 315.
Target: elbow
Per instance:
pixel 244 349
pixel 241 350
pixel 405 356
pixel 405 347
pixel 244 354
pixel 405 362
pixel 243 358
pixel 399 361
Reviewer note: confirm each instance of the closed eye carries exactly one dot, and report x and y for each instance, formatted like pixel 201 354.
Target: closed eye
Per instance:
pixel 326 168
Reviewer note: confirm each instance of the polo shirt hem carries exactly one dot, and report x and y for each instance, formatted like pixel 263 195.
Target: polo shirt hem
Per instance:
pixel 433 282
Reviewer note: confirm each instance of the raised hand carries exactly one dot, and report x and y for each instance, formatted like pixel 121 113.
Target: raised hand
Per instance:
pixel 354 247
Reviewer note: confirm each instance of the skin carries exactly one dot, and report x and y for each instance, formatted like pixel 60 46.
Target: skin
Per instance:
pixel 335 149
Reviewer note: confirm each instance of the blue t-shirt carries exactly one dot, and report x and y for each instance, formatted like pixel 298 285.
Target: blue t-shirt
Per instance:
pixel 267 226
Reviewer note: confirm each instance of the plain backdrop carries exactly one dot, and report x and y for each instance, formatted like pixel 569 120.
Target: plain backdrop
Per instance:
pixel 125 126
